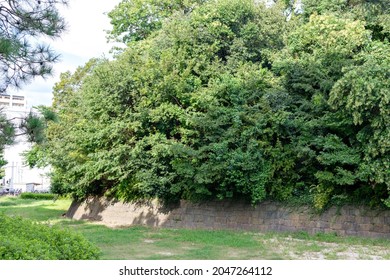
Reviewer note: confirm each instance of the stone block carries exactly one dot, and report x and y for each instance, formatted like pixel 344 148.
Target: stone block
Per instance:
pixel 333 211
pixel 377 228
pixel 288 223
pixel 246 227
pixel 294 216
pixel 348 226
pixel 311 224
pixel 258 221
pixel 386 229
pixel 362 220
pixel 377 235
pixel 378 220
pixel 273 227
pixel 336 226
pixel 208 219
pixel 243 219
pixel 355 212
pixel 198 211
pixel 301 224
pixel 258 214
pixel 231 225
pixel 343 211
pixel 351 232
pixel 198 218
pixel 286 228
pixel 322 224
pixel 221 219
pixel 271 207
pixel 364 227
pixel 187 218
pixel 270 215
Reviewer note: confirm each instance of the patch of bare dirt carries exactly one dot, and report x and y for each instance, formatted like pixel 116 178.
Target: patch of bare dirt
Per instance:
pixel 315 250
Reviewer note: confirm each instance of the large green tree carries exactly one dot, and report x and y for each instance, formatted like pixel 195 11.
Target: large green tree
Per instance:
pixel 362 96
pixel 165 113
pixel 229 100
pixel 320 59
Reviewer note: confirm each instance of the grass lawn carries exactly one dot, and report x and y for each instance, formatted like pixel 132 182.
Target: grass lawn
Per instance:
pixel 183 244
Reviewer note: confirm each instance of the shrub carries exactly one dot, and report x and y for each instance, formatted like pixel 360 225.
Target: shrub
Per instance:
pixel 38 196
pixel 23 239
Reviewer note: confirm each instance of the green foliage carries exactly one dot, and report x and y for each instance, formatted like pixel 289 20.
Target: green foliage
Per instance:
pixel 34 126
pixel 134 20
pixel 363 95
pixel 375 14
pixel 38 196
pixel 319 69
pixel 7 135
pixel 35 157
pixel 23 239
pixel 21 58
pixel 228 100
pixel 177 93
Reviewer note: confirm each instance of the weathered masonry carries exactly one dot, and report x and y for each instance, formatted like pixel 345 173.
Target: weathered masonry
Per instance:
pixel 267 216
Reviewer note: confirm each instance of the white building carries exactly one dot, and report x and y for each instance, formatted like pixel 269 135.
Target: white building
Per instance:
pixel 17 174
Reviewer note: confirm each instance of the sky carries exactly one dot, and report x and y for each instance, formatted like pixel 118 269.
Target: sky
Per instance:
pixel 84 39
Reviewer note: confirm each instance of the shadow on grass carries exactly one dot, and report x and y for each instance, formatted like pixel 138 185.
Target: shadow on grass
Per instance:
pixel 38 213
pixel 15 201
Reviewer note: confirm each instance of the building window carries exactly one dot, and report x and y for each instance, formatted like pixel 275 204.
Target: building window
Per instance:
pixel 17 97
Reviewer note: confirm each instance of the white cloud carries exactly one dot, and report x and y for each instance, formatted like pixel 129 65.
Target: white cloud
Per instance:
pixel 87 23
pixel 84 39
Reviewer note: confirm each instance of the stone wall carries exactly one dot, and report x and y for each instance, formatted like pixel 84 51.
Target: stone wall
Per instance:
pixel 267 216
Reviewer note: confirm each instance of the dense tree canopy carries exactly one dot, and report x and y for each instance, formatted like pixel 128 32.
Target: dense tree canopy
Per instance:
pixel 134 20
pixel 228 100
